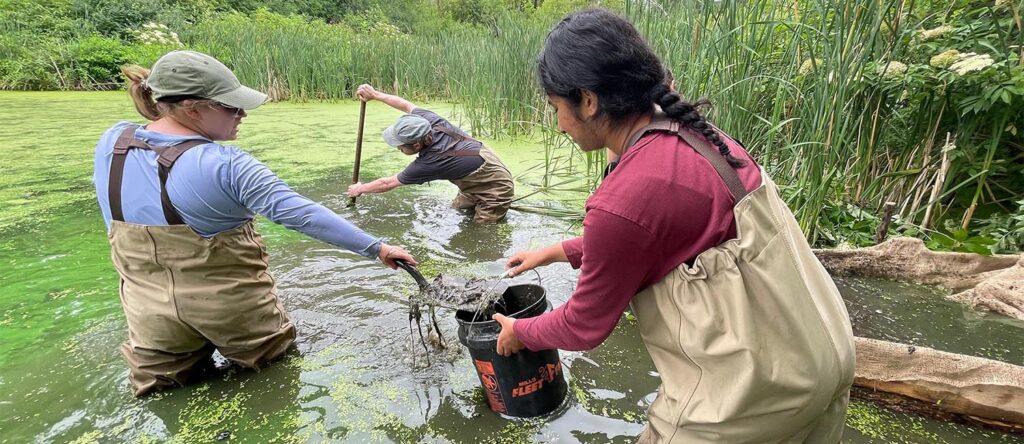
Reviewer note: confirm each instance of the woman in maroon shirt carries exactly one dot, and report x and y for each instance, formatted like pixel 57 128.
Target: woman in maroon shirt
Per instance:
pixel 748 332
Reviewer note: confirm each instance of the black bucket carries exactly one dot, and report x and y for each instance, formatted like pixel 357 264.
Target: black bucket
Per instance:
pixel 527 383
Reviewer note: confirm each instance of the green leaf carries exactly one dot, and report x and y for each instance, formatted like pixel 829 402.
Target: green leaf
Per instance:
pixel 909 172
pixel 980 240
pixel 976 249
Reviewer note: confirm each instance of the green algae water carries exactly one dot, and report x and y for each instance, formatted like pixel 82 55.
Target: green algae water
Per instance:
pixel 356 374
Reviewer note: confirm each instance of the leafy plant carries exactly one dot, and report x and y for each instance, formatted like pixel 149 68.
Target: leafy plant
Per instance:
pixel 98 60
pixel 1007 229
pixel 114 18
pixel 960 240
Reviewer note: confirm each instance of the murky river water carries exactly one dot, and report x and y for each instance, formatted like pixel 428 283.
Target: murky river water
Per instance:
pixel 355 375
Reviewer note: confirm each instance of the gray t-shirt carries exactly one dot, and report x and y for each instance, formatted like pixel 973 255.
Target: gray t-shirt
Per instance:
pixel 432 163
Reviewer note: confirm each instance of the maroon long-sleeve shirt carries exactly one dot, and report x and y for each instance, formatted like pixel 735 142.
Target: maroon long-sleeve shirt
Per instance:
pixel 661 206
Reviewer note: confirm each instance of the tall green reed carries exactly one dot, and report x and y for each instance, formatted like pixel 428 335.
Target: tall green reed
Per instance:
pixel 816 89
pixel 819 92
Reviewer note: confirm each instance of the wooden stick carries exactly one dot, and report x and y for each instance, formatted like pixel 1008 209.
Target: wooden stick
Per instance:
pixel 359 148
pixel 883 228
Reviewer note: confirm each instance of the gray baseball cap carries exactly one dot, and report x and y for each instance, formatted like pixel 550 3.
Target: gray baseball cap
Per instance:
pixel 408 129
pixel 190 73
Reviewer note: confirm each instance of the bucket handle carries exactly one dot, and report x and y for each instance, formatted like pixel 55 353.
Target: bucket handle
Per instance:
pixel 540 280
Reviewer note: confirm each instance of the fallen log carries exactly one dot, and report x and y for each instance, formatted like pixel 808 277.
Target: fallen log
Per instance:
pixel 1002 293
pixel 990 283
pixel 941 384
pixel 907 259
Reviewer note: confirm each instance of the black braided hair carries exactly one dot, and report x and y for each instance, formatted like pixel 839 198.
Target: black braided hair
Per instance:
pixel 600 51
pixel 689 115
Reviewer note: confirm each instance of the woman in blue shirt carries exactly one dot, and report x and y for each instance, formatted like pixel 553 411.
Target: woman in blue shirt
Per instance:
pixel 179 209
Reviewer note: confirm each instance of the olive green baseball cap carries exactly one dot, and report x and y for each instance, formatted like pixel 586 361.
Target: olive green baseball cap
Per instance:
pixel 190 73
pixel 407 129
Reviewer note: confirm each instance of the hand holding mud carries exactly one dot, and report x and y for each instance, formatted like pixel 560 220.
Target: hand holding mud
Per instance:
pixel 508 343
pixel 389 253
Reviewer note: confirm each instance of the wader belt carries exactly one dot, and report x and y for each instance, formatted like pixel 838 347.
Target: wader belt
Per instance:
pixel 717 160
pixel 168 155
pixel 458 138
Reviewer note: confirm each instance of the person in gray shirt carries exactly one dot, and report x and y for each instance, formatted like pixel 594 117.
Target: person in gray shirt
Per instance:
pixel 443 152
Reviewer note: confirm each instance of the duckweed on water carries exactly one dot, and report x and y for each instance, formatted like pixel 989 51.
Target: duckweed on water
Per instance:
pixel 362 408
pixel 207 416
pixel 520 432
pixel 581 394
pixel 33 187
pixel 877 423
pixel 331 356
pixel 586 400
pixel 92 437
pixel 60 319
pixel 204 417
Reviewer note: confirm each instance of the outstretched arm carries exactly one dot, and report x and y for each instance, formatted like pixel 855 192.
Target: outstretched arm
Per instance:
pixel 378 186
pixel 252 184
pixel 366 93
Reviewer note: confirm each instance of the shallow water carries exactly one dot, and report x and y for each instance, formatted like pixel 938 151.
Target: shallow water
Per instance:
pixel 356 374
pixel 920 315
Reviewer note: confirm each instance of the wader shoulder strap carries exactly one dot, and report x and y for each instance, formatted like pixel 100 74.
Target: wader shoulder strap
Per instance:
pixel 167 156
pixel 461 153
pixel 121 147
pixel 458 138
pixel 717 160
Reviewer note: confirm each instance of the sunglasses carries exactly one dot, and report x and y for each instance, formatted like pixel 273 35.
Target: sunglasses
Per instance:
pixel 236 112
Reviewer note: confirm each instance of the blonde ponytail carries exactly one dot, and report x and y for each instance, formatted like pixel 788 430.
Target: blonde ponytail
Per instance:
pixel 141 95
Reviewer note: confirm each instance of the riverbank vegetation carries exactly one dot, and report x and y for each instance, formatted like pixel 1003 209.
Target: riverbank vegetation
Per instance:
pixel 849 105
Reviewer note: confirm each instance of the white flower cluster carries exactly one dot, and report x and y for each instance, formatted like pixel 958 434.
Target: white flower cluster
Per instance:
pixel 892 70
pixel 970 62
pixel 157 34
pixel 930 34
pixel 809 66
pixel 387 30
pixel 944 59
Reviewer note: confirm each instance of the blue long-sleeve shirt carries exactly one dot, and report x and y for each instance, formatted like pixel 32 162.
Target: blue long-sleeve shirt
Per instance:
pixel 216 188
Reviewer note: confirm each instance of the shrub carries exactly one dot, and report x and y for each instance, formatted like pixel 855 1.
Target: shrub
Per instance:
pixel 25 63
pixel 113 18
pixel 97 61
pixel 481 12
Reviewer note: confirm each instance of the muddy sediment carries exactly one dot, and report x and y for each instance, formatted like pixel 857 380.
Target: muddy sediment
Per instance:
pixel 461 294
